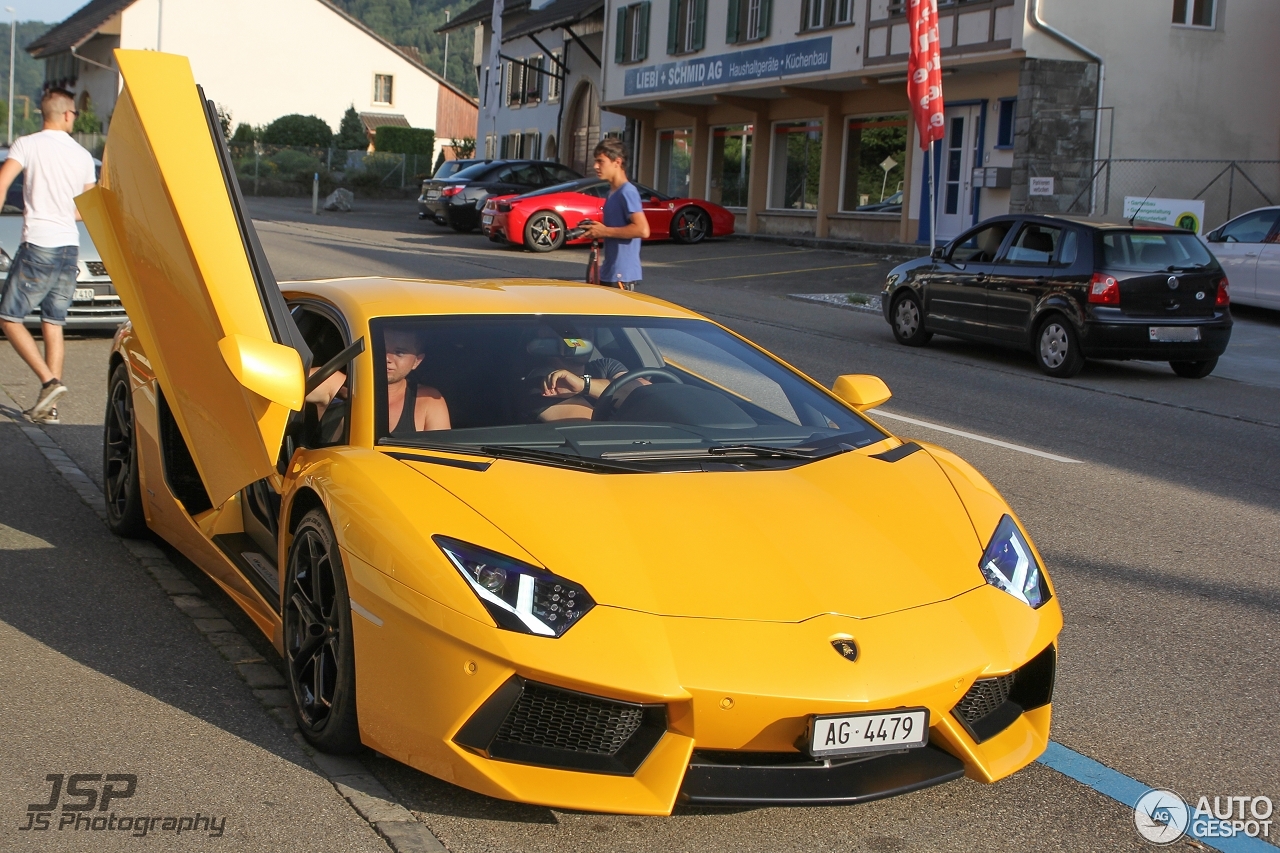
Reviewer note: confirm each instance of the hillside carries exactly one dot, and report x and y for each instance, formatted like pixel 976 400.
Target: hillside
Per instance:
pixel 413 22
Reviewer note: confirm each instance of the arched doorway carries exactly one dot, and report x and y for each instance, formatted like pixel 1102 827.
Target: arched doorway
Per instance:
pixel 584 127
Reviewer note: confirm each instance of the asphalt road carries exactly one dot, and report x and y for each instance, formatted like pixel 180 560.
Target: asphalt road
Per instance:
pixel 1162 536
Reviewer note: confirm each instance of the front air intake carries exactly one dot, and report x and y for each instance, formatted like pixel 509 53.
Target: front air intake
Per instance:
pixel 992 704
pixel 531 723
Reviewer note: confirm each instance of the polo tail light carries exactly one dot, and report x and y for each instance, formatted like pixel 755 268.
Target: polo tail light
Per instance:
pixel 1223 299
pixel 449 192
pixel 1104 289
pixel 504 207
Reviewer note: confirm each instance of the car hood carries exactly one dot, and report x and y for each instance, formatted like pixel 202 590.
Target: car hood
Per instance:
pixel 11 236
pixel 851 535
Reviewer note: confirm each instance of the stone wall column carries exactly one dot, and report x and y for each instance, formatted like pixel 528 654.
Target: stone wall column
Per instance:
pixel 829 187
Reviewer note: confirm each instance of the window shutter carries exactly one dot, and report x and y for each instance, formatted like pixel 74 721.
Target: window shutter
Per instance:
pixel 673 24
pixel 620 37
pixel 699 24
pixel 643 24
pixel 731 30
pixel 766 7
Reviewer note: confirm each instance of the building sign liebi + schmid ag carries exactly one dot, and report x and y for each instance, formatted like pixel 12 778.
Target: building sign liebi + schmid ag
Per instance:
pixel 759 63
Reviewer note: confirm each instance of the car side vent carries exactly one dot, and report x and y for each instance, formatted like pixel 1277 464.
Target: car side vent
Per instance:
pixel 179 468
pixel 992 704
pixel 531 723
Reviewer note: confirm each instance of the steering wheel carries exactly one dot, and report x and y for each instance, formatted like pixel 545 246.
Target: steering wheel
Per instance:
pixel 604 405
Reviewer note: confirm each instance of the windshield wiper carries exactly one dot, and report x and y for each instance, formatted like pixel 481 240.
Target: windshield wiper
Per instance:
pixel 758 451
pixel 563 460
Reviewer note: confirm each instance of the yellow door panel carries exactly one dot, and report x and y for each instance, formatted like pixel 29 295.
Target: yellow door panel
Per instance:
pixel 165 222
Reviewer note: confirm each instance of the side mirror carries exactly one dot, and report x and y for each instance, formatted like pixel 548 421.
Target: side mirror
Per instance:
pixel 861 390
pixel 270 370
pixel 1214 236
pixel 938 253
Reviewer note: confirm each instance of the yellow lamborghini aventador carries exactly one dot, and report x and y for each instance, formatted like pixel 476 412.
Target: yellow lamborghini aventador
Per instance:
pixel 552 542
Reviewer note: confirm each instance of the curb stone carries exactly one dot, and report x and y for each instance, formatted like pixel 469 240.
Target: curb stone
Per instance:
pixel 395 825
pixel 838 300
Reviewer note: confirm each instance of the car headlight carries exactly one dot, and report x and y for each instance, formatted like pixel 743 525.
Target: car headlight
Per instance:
pixel 518 596
pixel 1010 564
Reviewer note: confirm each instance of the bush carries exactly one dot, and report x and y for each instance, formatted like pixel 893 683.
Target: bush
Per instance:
pixel 298 130
pixel 244 134
pixel 296 164
pixel 87 121
pixel 464 147
pixel 404 140
pixel 351 133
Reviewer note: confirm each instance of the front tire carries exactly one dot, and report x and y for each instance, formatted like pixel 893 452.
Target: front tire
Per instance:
pixel 1194 369
pixel 691 225
pixel 123 490
pixel 319 647
pixel 544 232
pixel 907 319
pixel 1056 347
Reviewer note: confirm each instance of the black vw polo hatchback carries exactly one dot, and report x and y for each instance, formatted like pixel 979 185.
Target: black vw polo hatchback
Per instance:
pixel 1069 289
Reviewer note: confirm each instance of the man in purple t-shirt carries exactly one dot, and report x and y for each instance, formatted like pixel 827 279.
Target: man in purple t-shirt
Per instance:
pixel 624 223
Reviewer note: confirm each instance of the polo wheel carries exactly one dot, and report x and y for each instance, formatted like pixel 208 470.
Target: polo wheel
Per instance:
pixel 544 232
pixel 1194 369
pixel 907 319
pixel 691 225
pixel 1056 348
pixel 318 644
pixel 120 459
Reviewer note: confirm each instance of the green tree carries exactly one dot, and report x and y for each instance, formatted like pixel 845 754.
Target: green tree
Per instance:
pixel 244 134
pixel 224 121
pixel 87 121
pixel 351 133
pixel 299 130
pixel 414 22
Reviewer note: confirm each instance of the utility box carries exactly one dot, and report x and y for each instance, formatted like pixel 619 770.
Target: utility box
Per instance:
pixel 996 177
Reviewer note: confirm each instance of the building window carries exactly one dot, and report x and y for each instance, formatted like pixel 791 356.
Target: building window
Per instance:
pixel 555 82
pixel 516 82
pixel 797 165
pixel 673 161
pixel 1004 130
pixel 1194 13
pixel 814 17
pixel 521 146
pixel 533 80
pixel 631 33
pixel 842 12
pixel 748 20
pixel 686 26
pixel 730 165
pixel 875 154
pixel 382 88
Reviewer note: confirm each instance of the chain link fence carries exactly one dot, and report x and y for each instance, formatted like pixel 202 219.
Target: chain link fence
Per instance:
pixel 1099 187
pixel 280 170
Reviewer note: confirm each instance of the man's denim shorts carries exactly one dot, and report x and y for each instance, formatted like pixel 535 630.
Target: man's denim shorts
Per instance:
pixel 40 276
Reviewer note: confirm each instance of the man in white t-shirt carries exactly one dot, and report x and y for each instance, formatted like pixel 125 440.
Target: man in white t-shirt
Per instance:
pixel 43 272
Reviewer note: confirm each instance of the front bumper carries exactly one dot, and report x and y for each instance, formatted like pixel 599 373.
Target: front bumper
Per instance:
pixel 1110 334
pixel 733 691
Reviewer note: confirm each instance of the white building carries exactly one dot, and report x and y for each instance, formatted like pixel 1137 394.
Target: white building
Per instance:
pixel 551 58
pixel 794 112
pixel 259 60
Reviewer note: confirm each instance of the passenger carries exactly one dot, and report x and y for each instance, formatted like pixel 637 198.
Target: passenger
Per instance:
pixel 572 376
pixel 405 352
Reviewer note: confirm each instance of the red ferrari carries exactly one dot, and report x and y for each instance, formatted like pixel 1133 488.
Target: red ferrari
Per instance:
pixel 540 220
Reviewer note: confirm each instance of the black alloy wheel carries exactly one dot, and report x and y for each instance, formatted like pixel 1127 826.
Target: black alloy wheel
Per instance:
pixel 907 319
pixel 544 232
pixel 125 516
pixel 1056 347
pixel 691 225
pixel 1194 369
pixel 319 647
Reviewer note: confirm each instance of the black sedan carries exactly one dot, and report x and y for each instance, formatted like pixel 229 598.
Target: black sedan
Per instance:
pixel 456 201
pixel 1069 289
pixel 447 169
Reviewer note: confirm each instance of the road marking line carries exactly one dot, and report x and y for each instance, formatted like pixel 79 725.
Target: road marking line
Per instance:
pixel 786 272
pixel 736 257
pixel 1008 446
pixel 1127 790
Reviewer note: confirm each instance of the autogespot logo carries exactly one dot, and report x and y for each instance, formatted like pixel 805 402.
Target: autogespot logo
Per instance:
pixel 1162 817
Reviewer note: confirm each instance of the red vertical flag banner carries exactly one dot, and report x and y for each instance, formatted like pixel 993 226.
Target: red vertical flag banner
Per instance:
pixel 924 70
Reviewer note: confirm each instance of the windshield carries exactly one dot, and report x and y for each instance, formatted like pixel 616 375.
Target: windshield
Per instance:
pixel 576 186
pixel 451 167
pixel 616 393
pixel 1153 250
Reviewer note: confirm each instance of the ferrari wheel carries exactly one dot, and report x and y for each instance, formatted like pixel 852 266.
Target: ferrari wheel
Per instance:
pixel 317 638
pixel 691 225
pixel 120 459
pixel 907 320
pixel 1056 348
pixel 1194 369
pixel 544 232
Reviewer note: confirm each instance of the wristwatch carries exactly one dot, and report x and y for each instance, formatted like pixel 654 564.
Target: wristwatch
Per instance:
pixel 586 386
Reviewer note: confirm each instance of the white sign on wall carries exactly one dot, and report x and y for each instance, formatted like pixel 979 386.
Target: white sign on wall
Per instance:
pixel 1040 186
pixel 1185 213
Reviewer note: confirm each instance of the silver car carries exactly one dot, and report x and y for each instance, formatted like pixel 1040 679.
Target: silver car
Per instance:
pixel 95 304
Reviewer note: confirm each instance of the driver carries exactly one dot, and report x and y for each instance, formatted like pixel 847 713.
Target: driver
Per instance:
pixel 405 351
pixel 572 375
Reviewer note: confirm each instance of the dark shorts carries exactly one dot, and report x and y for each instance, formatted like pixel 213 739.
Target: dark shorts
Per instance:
pixel 43 277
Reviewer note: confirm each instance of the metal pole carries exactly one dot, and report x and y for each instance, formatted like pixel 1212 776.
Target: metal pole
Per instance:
pixel 159 22
pixel 315 194
pixel 1231 187
pixel 445 75
pixel 13 39
pixel 257 157
pixel 933 205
